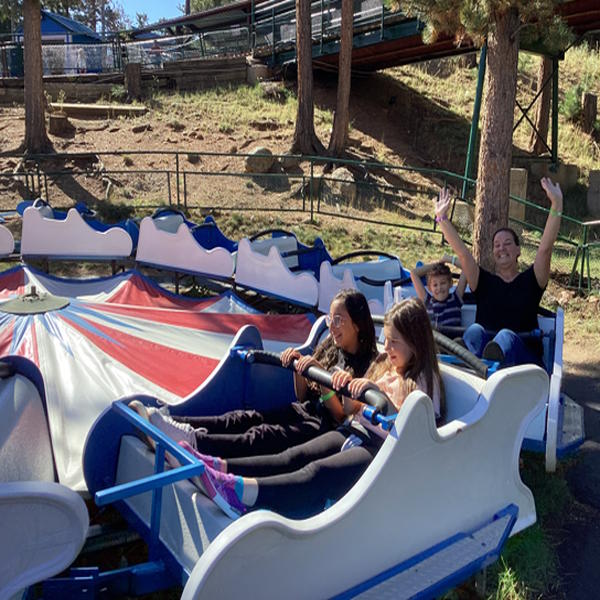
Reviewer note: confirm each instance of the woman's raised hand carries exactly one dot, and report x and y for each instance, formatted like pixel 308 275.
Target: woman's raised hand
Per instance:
pixel 442 204
pixel 553 192
pixel 288 355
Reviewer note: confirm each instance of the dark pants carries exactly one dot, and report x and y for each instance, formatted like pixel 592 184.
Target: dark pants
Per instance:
pixel 301 481
pixel 251 433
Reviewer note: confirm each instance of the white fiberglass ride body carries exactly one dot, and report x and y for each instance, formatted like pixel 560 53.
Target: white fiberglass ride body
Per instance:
pixel 426 485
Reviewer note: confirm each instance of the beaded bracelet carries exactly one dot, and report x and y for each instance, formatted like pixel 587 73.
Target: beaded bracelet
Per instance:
pixel 439 219
pixel 555 213
pixel 328 396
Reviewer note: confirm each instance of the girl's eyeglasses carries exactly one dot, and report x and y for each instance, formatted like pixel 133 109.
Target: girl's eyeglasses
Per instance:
pixel 336 320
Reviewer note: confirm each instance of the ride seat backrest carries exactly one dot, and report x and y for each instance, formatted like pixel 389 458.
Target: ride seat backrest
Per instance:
pixel 548 327
pixel 46 211
pixel 468 314
pixel 380 270
pixel 25 447
pixel 169 223
pixel 462 391
pixel 283 244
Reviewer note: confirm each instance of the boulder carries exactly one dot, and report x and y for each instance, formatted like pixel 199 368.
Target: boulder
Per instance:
pixel 290 161
pixel 464 216
pixel 340 185
pixel 260 160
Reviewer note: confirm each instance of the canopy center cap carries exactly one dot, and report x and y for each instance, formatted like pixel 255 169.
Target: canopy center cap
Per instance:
pixel 34 303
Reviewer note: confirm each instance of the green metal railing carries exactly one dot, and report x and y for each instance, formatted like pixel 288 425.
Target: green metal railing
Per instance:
pixel 187 188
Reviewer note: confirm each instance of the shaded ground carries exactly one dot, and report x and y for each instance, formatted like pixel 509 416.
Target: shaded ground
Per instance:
pixel 578 553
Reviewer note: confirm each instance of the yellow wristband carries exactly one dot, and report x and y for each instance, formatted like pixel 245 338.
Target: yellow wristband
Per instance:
pixel 555 213
pixel 328 396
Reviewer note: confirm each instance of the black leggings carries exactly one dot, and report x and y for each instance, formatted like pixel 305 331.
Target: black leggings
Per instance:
pixel 300 482
pixel 251 433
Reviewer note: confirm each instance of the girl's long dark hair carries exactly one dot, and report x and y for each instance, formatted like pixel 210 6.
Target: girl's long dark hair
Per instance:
pixel 410 319
pixel 358 309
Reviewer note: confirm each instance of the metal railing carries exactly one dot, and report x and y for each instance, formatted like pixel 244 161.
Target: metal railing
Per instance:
pixel 218 181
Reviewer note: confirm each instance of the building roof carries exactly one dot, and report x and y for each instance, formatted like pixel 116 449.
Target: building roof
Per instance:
pixel 70 24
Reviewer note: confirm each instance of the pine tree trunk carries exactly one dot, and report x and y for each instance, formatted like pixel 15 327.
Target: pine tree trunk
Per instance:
pixel 305 139
pixel 188 8
pixel 339 133
pixel 538 141
pixel 36 140
pixel 495 155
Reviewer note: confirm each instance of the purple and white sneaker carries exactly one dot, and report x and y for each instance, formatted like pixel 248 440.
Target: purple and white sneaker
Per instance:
pixel 216 463
pixel 225 490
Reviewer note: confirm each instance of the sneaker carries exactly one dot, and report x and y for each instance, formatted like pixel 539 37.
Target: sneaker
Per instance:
pixel 493 352
pixel 144 412
pixel 225 490
pixel 175 464
pixel 216 463
pixel 179 432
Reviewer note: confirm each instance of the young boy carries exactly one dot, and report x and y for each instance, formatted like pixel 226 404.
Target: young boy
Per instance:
pixel 442 305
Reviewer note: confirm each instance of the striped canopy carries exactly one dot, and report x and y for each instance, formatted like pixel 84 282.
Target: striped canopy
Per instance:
pixel 118 336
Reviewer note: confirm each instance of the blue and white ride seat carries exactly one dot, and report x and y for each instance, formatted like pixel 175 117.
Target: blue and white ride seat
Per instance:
pixel 88 214
pixel 296 255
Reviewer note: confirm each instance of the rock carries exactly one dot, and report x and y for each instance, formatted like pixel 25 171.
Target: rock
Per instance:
pixel 565 297
pixel 264 125
pixel 260 160
pixel 141 128
pixel 290 161
pixel 464 215
pixel 232 150
pixel 340 185
pixel 273 90
pixel 176 126
pixel 193 158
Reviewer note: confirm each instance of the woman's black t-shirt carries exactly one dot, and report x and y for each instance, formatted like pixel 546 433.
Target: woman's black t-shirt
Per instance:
pixel 509 305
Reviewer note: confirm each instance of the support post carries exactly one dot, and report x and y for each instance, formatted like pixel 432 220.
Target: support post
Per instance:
pixel 555 100
pixel 475 119
pixel 252 33
pixel 273 36
pixel 321 42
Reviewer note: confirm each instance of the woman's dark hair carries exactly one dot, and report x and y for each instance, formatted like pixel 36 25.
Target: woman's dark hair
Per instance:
pixel 358 308
pixel 512 232
pixel 411 321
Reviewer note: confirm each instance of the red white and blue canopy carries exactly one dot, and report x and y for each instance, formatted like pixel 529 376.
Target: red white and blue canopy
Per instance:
pixel 118 336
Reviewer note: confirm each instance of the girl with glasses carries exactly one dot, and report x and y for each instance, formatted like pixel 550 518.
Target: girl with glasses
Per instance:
pixel 350 346
pixel 300 482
